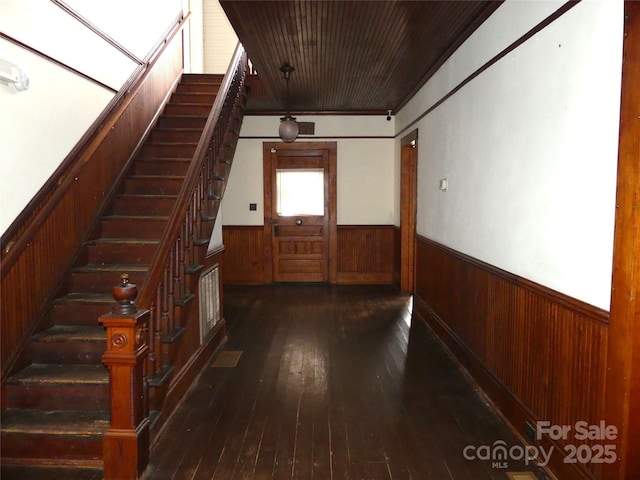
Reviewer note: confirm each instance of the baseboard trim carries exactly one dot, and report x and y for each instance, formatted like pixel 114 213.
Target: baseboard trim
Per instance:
pixel 501 399
pixel 364 278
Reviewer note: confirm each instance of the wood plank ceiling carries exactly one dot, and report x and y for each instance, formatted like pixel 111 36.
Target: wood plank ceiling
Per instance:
pixel 349 56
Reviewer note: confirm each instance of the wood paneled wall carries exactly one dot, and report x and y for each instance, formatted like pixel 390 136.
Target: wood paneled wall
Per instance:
pixel 50 235
pixel 243 257
pixel 539 355
pixel 366 254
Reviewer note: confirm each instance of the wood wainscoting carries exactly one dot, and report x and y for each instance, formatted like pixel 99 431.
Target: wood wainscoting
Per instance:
pixel 539 355
pixel 243 256
pixel 366 254
pixel 44 240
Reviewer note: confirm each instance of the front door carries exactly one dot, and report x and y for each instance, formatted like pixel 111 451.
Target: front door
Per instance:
pixel 299 186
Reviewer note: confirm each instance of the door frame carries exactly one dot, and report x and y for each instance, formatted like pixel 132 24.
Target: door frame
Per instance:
pixel 408 210
pixel 268 148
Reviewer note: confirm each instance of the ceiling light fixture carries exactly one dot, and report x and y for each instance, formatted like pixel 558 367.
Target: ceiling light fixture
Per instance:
pixel 289 129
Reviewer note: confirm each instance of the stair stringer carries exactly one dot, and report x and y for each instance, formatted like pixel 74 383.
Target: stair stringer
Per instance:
pixel 162 379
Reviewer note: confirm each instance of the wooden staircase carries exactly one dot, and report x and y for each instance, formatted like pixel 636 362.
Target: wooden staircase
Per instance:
pixel 56 404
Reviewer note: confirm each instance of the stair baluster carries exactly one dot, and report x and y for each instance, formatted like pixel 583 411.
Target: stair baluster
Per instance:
pixel 166 286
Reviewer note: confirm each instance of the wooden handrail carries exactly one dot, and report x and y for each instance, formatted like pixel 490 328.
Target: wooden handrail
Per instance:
pixel 167 284
pixel 176 219
pixel 20 233
pixel 48 235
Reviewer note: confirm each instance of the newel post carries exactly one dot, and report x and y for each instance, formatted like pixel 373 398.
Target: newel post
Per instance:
pixel 126 442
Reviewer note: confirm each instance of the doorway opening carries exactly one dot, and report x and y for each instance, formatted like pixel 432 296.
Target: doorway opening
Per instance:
pixel 408 210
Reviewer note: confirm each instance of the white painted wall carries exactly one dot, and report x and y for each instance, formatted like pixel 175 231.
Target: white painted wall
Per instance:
pixel 529 147
pixel 366 177
pixel 137 25
pixel 194 32
pixel 216 236
pixel 39 127
pixel 220 39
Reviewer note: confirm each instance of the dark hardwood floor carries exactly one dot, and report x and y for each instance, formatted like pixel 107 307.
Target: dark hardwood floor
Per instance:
pixel 333 383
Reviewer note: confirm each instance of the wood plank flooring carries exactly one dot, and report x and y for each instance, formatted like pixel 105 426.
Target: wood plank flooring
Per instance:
pixel 334 383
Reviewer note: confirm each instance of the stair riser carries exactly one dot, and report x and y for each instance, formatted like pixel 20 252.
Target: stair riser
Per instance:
pixel 73 352
pixel 147 186
pixel 182 122
pixel 100 282
pixel 177 109
pixel 57 347
pixel 63 447
pixel 79 313
pixel 136 228
pixel 168 150
pixel 142 206
pixel 212 88
pixel 168 136
pixel 161 167
pixel 121 253
pixel 193 97
pixel 67 397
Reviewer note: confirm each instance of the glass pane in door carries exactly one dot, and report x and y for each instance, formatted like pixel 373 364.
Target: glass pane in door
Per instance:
pixel 300 191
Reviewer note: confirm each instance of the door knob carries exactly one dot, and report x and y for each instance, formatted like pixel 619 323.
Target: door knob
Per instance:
pixel 299 221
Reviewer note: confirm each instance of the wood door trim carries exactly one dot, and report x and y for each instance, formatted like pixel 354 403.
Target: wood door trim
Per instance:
pixel 622 392
pixel 267 166
pixel 408 209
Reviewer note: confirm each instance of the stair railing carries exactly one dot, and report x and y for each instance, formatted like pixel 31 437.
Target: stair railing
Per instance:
pixel 135 333
pixel 165 286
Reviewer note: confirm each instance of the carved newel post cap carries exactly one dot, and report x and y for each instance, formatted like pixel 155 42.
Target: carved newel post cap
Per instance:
pixel 125 293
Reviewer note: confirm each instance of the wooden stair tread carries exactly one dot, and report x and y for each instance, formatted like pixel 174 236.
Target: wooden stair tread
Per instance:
pixel 170 115
pixel 52 470
pixel 190 104
pixel 182 144
pixel 15 469
pixel 54 374
pixel 133 196
pixel 124 241
pixel 56 422
pixel 111 267
pixel 155 177
pixel 136 218
pixel 46 422
pixel 151 158
pixel 106 298
pixel 71 333
pixel 190 92
pixel 208 77
pixel 178 129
